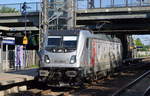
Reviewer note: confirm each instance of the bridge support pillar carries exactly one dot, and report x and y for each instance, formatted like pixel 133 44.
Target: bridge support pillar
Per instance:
pixel 124 41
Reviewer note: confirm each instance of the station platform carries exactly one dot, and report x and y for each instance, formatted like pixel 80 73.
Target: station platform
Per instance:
pixel 19 76
pixel 132 60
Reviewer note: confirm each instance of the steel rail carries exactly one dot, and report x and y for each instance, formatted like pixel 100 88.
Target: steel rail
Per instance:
pixel 123 89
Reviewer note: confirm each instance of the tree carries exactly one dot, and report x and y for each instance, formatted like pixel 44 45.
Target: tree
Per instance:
pixel 141 46
pixel 138 42
pixel 7 10
pixel 146 48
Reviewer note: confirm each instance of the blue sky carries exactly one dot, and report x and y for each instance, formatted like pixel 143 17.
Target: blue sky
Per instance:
pixel 144 38
pixel 105 2
pixel 16 1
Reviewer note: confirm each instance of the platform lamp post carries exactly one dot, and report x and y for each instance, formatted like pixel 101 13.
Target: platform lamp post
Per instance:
pixel 25 39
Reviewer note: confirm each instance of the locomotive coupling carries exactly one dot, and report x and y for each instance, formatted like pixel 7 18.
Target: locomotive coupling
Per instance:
pixel 44 73
pixel 71 73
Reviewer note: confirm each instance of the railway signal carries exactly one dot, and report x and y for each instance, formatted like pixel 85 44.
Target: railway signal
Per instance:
pixel 25 39
pixel 24 7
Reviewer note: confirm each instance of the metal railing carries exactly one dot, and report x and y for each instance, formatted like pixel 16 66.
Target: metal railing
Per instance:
pixel 17 7
pixel 80 4
pixel 91 4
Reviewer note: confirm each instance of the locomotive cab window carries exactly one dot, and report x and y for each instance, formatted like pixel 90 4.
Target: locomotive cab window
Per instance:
pixel 61 44
pixel 70 41
pixel 54 41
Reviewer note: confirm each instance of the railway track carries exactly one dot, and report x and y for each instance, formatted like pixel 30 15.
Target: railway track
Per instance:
pixel 46 92
pixel 108 86
pixel 102 87
pixel 136 87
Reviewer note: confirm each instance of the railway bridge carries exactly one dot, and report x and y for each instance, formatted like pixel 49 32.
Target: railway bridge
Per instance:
pixel 121 20
pixel 14 24
pixel 116 17
pixel 12 19
pixel 127 20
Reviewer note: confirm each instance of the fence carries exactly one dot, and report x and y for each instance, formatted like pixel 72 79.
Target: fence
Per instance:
pixel 17 7
pixel 85 4
pixel 80 4
pixel 32 59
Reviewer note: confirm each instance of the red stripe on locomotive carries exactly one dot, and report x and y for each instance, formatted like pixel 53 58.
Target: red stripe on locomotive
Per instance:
pixel 93 53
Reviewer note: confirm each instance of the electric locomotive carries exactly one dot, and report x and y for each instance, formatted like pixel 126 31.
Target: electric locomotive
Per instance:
pixel 74 56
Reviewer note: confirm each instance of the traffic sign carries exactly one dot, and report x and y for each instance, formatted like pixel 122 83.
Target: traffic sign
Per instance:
pixel 9 40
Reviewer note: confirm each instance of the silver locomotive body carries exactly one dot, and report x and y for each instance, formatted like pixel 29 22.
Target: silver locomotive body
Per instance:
pixel 72 56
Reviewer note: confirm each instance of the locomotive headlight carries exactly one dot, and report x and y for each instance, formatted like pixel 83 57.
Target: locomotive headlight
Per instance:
pixel 73 59
pixel 46 59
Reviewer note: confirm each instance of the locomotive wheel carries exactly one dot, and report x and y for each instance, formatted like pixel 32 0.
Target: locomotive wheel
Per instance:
pixel 89 78
pixel 112 72
pixel 80 82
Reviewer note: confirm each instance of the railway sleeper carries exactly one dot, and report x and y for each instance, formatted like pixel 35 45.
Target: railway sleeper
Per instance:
pixel 13 90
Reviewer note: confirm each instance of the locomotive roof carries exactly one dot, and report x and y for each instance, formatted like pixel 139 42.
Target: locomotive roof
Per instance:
pixel 107 37
pixel 77 31
pixel 63 32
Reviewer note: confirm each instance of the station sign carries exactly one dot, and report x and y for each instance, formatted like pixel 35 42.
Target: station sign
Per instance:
pixel 9 40
pixel 139 47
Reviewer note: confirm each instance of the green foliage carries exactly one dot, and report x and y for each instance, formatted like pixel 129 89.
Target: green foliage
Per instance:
pixel 7 10
pixel 146 48
pixel 33 40
pixel 138 43
pixel 34 66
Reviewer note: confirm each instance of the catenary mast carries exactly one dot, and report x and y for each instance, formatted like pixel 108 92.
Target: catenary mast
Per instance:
pixel 56 15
